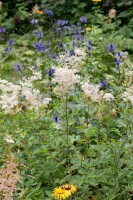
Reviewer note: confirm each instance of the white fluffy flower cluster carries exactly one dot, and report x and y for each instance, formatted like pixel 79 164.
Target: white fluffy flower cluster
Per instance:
pixel 9 139
pixel 91 91
pixel 36 75
pixel 129 73
pixel 30 97
pixel 74 60
pixel 33 97
pixel 128 94
pixel 108 97
pixel 9 97
pixel 65 78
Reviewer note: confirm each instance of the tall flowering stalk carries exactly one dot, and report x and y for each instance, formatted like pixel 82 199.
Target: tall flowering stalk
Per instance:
pixel 67 123
pixel 65 79
pixel 50 74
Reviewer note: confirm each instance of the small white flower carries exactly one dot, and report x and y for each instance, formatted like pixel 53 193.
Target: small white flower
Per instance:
pixel 39 62
pixel 46 101
pixel 91 91
pixel 73 61
pixel 128 94
pixel 108 97
pixel 9 96
pixel 8 139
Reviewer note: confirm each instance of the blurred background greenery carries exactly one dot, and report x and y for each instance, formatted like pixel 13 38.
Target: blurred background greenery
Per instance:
pixel 17 13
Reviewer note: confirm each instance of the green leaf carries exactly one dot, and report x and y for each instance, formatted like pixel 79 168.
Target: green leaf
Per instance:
pixel 124 14
pixel 81 5
pixel 29 53
pixel 126 31
pixel 128 3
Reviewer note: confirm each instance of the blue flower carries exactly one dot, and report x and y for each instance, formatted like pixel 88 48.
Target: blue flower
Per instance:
pixel 111 47
pixel 77 32
pixel 89 45
pixel 53 56
pixel 62 22
pixel 18 67
pixel 119 54
pixel 48 44
pixel 73 43
pixel 40 47
pixel 58 30
pixel 73 25
pixel 56 118
pixel 60 44
pixel 89 42
pixel 34 21
pixel 10 42
pixel 117 61
pixel 103 84
pixel 50 72
pixel 39 35
pixel 118 58
pixel 67 28
pixel 83 19
pixel 8 49
pixel 50 13
pixel 72 53
pixel 2 29
pixel 78 37
pixel 66 22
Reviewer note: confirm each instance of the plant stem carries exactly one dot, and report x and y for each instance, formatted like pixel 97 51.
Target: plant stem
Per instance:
pixel 67 133
pixel 28 120
pixel 67 125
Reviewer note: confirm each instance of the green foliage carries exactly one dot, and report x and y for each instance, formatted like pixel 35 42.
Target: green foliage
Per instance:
pixel 91 144
pixel 126 16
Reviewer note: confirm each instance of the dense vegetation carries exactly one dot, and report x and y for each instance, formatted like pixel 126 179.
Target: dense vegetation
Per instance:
pixel 66 100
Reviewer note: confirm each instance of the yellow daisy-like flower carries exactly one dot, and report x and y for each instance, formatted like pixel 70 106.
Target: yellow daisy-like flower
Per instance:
pixel 70 188
pixel 88 28
pixel 60 193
